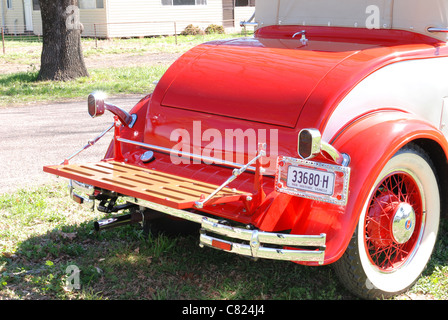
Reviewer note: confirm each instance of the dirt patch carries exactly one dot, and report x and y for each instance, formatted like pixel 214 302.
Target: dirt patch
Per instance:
pixel 130 60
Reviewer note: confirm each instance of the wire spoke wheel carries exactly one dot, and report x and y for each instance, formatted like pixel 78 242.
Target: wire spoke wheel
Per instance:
pixel 397 229
pixel 393 223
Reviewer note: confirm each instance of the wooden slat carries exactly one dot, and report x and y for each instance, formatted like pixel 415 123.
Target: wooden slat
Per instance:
pixel 151 185
pixel 206 187
pixel 187 186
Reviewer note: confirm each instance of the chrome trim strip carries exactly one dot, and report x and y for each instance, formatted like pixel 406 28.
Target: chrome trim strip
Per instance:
pixel 255 238
pixel 211 160
pixel 433 29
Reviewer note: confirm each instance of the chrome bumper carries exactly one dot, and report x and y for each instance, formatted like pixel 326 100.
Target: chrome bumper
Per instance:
pixel 216 234
pixel 82 193
pixel 255 243
pixel 250 243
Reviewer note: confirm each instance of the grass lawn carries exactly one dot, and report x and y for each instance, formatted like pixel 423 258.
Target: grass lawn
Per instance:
pixel 22 88
pixel 42 233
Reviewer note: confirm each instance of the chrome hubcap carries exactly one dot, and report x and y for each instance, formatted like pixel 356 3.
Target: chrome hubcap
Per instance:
pixel 403 223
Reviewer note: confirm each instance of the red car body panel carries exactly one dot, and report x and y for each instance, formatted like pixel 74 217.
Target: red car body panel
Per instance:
pixel 294 92
pixel 273 83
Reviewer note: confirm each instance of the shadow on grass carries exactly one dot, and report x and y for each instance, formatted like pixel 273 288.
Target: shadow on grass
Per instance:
pixel 123 264
pixel 17 78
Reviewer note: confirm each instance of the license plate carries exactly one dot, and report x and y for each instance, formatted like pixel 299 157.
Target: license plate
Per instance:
pixel 310 180
pixel 313 180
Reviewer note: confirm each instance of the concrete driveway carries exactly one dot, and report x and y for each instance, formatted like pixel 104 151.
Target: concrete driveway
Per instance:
pixel 42 134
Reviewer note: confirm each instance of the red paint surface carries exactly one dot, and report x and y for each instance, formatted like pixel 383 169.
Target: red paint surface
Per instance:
pixel 272 82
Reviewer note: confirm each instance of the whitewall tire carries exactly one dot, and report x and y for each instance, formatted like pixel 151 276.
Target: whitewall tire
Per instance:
pixel 397 229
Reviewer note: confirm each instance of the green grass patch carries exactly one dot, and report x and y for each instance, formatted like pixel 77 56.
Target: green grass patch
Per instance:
pixel 27 50
pixel 43 235
pixel 24 87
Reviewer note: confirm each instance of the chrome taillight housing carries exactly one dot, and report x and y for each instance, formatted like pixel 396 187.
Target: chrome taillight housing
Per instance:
pixel 310 145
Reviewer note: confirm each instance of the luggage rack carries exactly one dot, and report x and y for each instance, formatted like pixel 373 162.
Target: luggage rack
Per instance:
pixel 147 184
pixel 159 187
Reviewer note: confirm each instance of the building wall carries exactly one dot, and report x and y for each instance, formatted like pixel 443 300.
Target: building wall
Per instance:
pixel 37 22
pixel 134 18
pixel 150 17
pixel 94 22
pixel 88 17
pixel 14 17
pixel 243 14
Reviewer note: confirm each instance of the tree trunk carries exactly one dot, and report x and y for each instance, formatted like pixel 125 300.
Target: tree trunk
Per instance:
pixel 62 57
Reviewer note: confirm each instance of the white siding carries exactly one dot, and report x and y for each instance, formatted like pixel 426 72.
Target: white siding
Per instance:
pixel 134 18
pixel 94 22
pixel 14 17
pixel 37 22
pixel 90 19
pixel 150 17
pixel 243 14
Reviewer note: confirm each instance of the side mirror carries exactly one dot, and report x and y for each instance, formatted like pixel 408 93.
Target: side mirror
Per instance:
pixel 96 107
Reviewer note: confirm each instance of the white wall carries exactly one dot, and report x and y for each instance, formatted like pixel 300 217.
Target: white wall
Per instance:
pixel 127 18
pixel 14 17
pixel 133 18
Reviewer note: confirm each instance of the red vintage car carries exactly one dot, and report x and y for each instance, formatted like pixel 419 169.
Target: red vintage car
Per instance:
pixel 320 140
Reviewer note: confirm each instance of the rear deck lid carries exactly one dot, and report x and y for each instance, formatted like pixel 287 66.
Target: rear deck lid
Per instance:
pixel 262 80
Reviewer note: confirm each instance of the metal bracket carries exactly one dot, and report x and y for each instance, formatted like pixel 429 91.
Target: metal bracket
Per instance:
pixel 433 30
pixel 235 174
pixel 254 244
pixel 89 144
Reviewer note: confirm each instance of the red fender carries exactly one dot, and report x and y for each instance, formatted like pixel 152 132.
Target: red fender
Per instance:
pixel 370 142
